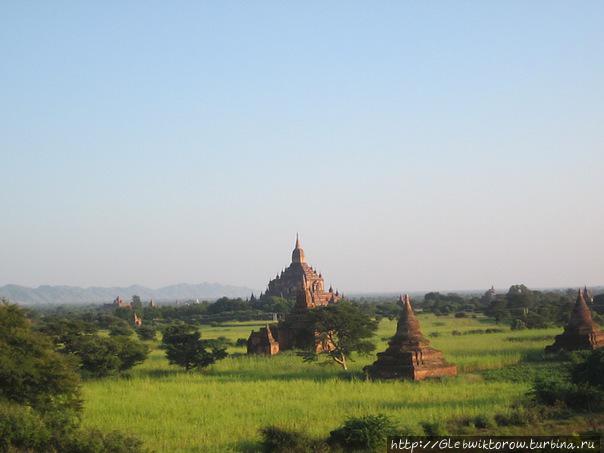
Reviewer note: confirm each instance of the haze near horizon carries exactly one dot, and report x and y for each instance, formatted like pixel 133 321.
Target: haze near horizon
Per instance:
pixel 413 146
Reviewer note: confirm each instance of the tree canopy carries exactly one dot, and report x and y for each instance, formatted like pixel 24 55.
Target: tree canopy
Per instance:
pixel 340 329
pixel 184 347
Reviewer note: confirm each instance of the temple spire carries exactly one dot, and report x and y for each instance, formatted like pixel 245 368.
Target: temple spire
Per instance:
pixel 580 317
pixel 407 326
pixel 298 253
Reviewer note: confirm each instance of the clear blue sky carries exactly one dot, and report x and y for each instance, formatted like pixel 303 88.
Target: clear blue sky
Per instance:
pixel 414 145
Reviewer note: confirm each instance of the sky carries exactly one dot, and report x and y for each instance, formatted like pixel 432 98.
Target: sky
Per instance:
pixel 413 145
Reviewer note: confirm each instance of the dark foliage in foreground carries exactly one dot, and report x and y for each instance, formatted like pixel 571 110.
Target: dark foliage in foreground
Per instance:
pixel 40 403
pixel 23 429
pixel 279 440
pixel 363 434
pixel 31 372
pixel 367 433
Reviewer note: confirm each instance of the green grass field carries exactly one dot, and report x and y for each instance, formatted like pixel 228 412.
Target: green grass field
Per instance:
pixel 222 408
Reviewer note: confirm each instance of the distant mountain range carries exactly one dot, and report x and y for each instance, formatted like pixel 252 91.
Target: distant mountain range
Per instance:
pixel 75 295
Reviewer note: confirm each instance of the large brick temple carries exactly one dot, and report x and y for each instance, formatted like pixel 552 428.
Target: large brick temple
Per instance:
pixel 298 281
pixel 299 275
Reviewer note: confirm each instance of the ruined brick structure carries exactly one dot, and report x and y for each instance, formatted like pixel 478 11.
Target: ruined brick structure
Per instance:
pixel 138 321
pixel 263 342
pixel 292 332
pixel 301 281
pixel 300 275
pixel 581 332
pixel 409 355
pixel 119 302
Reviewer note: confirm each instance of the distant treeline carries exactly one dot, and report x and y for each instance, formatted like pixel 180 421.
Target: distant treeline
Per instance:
pixel 519 307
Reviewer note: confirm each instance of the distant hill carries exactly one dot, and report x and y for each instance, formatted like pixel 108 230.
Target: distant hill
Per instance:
pixel 75 295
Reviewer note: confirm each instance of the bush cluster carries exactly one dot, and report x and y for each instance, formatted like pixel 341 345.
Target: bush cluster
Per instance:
pixel 362 434
pixel 580 389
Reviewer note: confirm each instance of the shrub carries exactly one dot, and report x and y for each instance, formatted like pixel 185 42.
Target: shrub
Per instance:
pixel 475 331
pixel 514 418
pixel 279 440
pixel 589 370
pixel 94 441
pixel 221 343
pixel 550 390
pixel 433 429
pixel 585 398
pixel 482 421
pixel 465 425
pixel 578 395
pixel 22 429
pixel 520 415
pixel 367 433
pixel 494 330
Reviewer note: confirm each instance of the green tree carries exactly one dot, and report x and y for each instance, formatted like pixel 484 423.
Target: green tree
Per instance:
pixel 185 347
pixel 225 304
pixel 146 332
pixel 31 371
pixel 102 356
pixel 340 329
pixel 40 400
pixel 136 302
pixel 97 355
pixel 120 328
pixel 130 352
pixel 63 329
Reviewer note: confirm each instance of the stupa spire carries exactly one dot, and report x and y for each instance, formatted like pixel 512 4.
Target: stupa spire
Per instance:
pixel 580 317
pixel 407 326
pixel 298 253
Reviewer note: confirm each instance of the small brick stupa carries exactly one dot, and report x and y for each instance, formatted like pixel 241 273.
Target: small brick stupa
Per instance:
pixel 409 355
pixel 262 342
pixel 581 332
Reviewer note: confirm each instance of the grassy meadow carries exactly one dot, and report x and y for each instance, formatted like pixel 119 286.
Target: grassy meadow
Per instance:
pixel 222 408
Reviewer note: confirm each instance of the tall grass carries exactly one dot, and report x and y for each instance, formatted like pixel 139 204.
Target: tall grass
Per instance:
pixel 222 408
